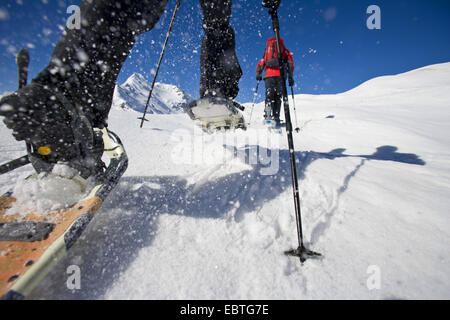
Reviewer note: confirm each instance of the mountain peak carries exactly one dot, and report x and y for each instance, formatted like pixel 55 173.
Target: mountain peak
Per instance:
pixel 135 77
pixel 133 94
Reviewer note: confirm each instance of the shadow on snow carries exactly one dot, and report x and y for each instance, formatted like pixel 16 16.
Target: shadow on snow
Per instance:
pixel 127 221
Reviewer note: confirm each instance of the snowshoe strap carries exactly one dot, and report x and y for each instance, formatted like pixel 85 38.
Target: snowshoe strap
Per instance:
pixel 27 231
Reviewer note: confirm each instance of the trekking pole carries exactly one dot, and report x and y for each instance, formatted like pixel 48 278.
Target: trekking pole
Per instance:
pixel 177 6
pixel 22 61
pixel 254 101
pixel 14 164
pixel 302 252
pixel 297 129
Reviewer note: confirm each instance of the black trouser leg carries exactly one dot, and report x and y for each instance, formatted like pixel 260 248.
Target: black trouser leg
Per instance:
pixel 274 95
pixel 268 104
pixel 277 106
pixel 86 62
pixel 219 66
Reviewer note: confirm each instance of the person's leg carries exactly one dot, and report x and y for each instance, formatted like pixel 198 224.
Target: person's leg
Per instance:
pixel 278 97
pixel 80 78
pixel 86 62
pixel 270 98
pixel 219 66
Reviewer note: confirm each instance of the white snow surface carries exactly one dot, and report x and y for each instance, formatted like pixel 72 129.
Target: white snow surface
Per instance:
pixel 196 218
pixel 47 193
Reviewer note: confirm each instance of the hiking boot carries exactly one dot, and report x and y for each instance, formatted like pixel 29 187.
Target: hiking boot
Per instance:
pixel 56 129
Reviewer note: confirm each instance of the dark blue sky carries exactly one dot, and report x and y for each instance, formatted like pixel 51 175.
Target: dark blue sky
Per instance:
pixel 333 49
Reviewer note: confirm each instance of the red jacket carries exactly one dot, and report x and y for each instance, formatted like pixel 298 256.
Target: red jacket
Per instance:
pixel 269 63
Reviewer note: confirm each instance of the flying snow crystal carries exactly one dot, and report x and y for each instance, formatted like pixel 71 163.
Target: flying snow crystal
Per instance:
pixel 12 50
pixel 6 108
pixel 103 65
pixel 46 32
pixel 82 56
pixel 330 14
pixel 4 15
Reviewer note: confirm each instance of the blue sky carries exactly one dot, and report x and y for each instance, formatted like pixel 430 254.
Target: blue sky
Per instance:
pixel 333 49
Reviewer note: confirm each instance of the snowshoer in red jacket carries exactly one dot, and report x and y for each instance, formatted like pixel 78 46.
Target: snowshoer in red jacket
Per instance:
pixel 269 65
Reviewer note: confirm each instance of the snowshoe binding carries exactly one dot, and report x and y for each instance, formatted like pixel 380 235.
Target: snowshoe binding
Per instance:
pixel 216 113
pixel 34 241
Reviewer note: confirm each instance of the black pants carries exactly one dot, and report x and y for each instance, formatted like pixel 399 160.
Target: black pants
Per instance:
pixel 274 96
pixel 86 62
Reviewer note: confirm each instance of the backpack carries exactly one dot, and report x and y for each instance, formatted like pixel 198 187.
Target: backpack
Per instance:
pixel 271 53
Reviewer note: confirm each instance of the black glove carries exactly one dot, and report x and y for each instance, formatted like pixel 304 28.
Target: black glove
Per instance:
pixel 258 77
pixel 291 82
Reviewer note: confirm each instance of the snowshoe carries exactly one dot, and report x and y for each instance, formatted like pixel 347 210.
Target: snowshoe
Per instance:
pixel 56 132
pixel 32 242
pixel 216 113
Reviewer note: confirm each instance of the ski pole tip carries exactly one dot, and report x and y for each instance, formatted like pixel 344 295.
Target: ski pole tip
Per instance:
pixel 303 253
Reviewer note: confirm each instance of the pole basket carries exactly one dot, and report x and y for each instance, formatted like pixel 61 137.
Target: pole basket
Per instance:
pixel 303 253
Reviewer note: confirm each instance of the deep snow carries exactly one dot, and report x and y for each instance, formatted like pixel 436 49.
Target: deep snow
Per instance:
pixel 196 217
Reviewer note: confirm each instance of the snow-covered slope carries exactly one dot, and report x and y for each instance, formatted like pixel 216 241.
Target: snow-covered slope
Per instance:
pixel 133 94
pixel 197 217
